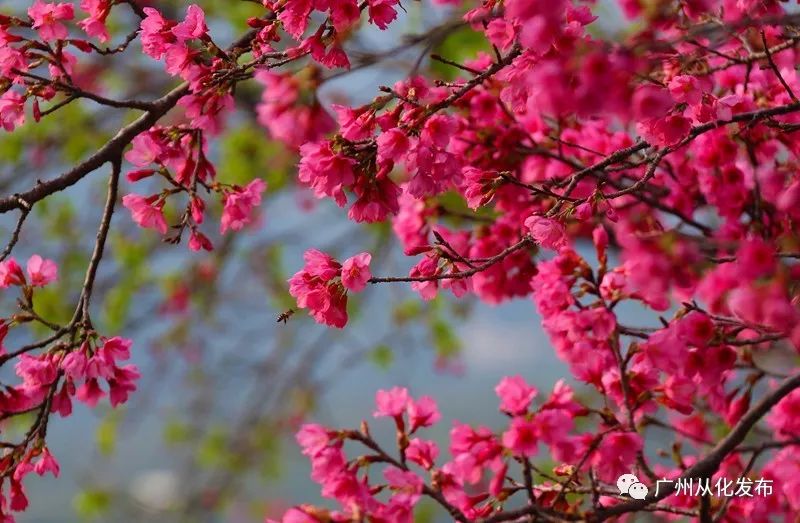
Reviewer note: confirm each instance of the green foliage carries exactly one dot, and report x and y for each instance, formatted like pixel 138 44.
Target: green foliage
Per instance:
pixel 425 512
pixel 435 316
pixel 117 305
pixel 407 311
pixel 73 147
pixel 236 13
pixel 454 207
pixel 276 276
pixel 107 432
pixel 11 146
pixel 60 214
pixel 51 303
pixel 17 425
pixel 176 432
pixel 76 146
pixel 459 45
pixel 267 446
pixel 382 356
pixel 92 503
pixel 212 451
pixel 132 261
pixel 445 340
pixel 443 336
pixel 245 153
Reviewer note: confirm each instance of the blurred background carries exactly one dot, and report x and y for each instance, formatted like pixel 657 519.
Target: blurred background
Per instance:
pixel 208 435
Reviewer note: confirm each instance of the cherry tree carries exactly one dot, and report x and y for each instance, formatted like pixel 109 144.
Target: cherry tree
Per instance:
pixel 589 173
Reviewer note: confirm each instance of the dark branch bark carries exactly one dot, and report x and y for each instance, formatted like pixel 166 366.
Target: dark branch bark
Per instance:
pixel 112 149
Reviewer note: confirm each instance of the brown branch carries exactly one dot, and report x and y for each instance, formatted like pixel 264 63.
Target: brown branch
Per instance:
pixel 457 65
pixel 651 171
pixel 82 310
pixel 524 242
pixel 472 83
pixel 77 92
pixel 106 153
pixel 25 210
pixel 775 69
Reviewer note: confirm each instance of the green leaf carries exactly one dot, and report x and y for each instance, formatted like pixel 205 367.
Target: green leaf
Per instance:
pixel 459 46
pixel 382 356
pixel 445 340
pixel 131 255
pixel 117 305
pixel 267 443
pixel 245 154
pixel 106 434
pixel 236 13
pixel 212 451
pixel 425 512
pixel 92 503
pixel 407 311
pixel 176 432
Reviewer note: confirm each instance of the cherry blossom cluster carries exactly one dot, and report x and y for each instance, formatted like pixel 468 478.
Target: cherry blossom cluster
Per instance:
pixel 682 176
pixel 46 52
pixel 477 478
pixel 49 380
pixel 590 175
pixel 178 155
pixel 322 285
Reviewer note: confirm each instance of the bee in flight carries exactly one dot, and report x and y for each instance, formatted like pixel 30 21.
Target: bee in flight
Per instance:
pixel 284 316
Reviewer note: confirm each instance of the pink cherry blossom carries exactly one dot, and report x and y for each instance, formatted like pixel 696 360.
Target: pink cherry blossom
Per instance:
pixel 74 364
pixel 90 392
pixel 685 88
pixel 47 463
pixel 313 438
pixel 314 288
pixel 547 232
pixel 696 328
pixel 422 452
pixel 422 412
pixel 382 12
pixel 406 485
pixel 521 438
pixel 639 188
pixel 392 145
pixel 145 212
pixel 355 272
pixel 156 33
pixel 616 454
pixel 392 402
pixel 199 241
pixel 515 394
pixel 326 172
pixel 239 206
pixel 12 109
pixel 95 24
pixel 755 258
pixel 41 271
pixel 47 19
pixel 11 273
pixel 194 26
pixel 122 384
pixel 651 102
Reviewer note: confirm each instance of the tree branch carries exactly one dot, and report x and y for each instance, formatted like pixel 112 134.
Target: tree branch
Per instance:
pixel 112 149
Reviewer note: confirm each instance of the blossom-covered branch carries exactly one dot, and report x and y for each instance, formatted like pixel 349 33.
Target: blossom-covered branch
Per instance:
pixel 592 175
